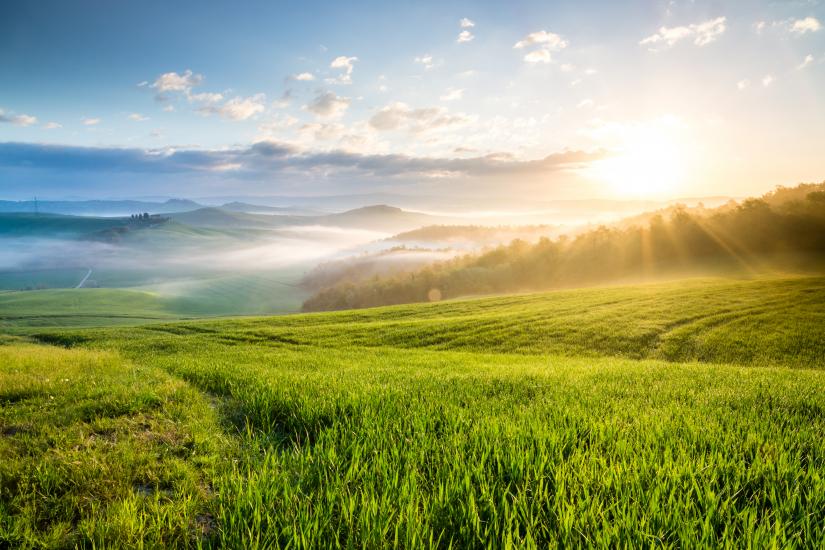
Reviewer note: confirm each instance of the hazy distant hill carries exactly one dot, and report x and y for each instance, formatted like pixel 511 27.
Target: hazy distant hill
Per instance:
pixel 238 206
pixel 381 218
pixel 99 207
pixel 376 218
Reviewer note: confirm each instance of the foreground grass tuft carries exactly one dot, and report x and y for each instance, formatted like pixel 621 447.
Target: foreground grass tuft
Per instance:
pixel 94 449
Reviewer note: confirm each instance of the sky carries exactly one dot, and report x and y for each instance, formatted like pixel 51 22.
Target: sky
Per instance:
pixel 535 100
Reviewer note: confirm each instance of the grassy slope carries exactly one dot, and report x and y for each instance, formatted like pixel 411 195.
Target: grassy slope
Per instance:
pixel 81 307
pixel 760 321
pixel 206 296
pixel 464 422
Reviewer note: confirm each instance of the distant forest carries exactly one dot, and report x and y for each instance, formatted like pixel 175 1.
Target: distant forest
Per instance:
pixel 784 228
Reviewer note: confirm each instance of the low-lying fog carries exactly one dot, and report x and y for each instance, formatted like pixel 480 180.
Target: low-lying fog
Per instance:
pixel 262 256
pixel 299 245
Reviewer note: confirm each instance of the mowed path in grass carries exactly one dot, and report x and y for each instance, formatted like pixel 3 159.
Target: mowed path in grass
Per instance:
pixel 598 417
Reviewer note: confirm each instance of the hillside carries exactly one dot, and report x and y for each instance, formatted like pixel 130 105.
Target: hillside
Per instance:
pixel 536 419
pixel 777 232
pixel 758 321
pixel 82 307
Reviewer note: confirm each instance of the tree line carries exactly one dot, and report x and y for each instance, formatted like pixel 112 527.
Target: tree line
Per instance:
pixel 785 228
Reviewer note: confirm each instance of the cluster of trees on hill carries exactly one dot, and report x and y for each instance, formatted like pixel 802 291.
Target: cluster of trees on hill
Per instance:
pixel 786 223
pixel 147 218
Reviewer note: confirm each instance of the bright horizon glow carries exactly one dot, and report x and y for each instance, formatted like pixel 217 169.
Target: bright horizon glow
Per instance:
pixel 650 163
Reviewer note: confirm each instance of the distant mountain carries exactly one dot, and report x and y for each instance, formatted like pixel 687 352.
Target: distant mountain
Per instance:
pixel 375 218
pixel 103 208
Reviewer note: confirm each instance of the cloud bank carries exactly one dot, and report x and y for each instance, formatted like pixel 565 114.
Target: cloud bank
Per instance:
pixel 268 161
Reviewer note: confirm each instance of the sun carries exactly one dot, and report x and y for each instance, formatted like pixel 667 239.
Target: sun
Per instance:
pixel 646 163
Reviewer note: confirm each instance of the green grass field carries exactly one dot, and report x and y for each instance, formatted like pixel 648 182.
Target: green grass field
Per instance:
pixel 685 414
pixel 82 307
pixel 197 297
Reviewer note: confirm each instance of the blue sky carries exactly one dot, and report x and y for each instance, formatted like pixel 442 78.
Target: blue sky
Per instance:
pixel 549 99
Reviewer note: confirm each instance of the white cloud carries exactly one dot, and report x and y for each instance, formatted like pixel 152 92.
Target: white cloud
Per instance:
pixel 702 34
pixel 464 36
pixel 209 103
pixel 137 117
pixel 452 94
pixel 549 40
pixel 238 108
pixel 567 67
pixel 174 82
pixel 90 121
pixel 25 120
pixel 426 60
pixel 585 103
pixel 466 23
pixel 743 84
pixel 345 63
pixel 52 126
pixel 306 77
pixel 328 105
pixel 805 62
pixel 798 27
pixel 206 97
pixel 400 116
pixel 547 43
pixel 242 108
pixel 767 80
pixel 17 120
pixel 538 56
pixel 803 26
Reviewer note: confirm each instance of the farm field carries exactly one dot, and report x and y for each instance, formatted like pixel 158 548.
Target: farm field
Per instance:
pixel 678 414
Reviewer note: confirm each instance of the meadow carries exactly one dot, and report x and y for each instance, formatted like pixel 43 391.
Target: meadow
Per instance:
pixel 681 414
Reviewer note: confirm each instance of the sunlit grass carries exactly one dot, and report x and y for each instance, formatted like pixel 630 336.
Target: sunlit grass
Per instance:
pixel 577 418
